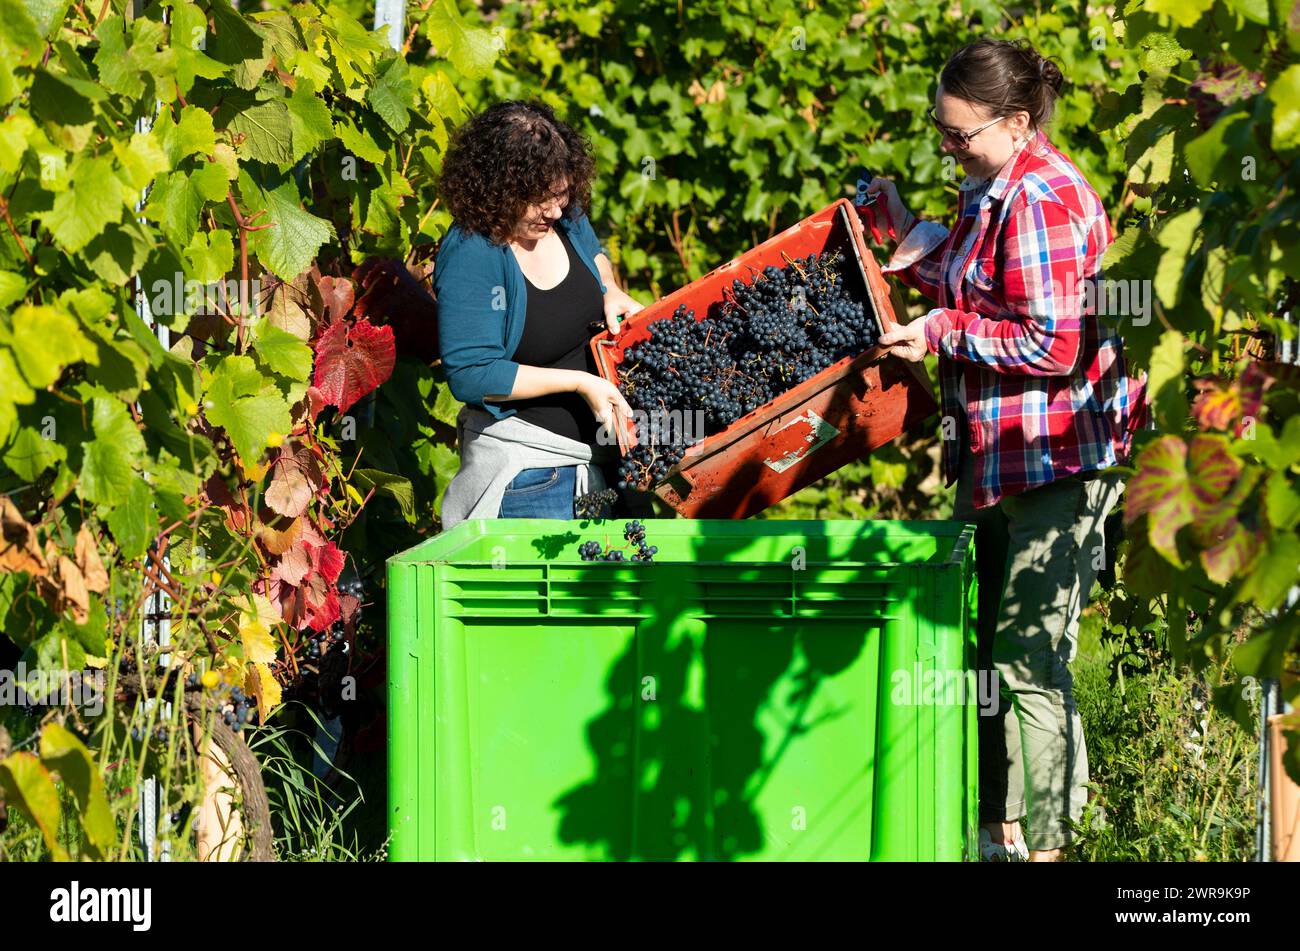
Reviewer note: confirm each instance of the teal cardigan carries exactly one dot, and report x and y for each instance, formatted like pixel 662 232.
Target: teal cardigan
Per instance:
pixel 482 300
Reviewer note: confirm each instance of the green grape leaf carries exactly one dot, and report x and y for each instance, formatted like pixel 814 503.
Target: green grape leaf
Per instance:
pixel 107 464
pixel 1165 380
pixel 47 15
pixel 120 251
pixel 118 70
pixel 1285 95
pixel 1182 12
pixel 267 133
pixel 1273 573
pixel 251 421
pixel 249 408
pixel 282 352
pixel 359 141
pixel 14 391
pixel 239 42
pixel 295 237
pixel 471 49
pixel 1176 237
pixel 310 123
pixel 178 198
pixel 392 95
pixel 142 159
pixel 234 376
pixel 1263 653
pixel 1206 153
pixel 443 463
pixel 1130 256
pixel 445 406
pixel 1282 502
pixel 14 130
pixel 133 520
pixel 121 368
pixel 94 200
pixel 194 133
pixel 31 454
pixel 1153 166
pixel 210 255
pixel 62 99
pixel 45 340
pixel 189 39
pixel 23 35
pixel 396 487
pixel 1254 10
pixel 13 288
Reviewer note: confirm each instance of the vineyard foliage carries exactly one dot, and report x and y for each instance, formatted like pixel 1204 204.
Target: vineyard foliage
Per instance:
pixel 215 345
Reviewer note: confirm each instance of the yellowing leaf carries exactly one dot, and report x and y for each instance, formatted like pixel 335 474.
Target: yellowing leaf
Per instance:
pixel 28 787
pixel 67 754
pixel 255 626
pixel 261 683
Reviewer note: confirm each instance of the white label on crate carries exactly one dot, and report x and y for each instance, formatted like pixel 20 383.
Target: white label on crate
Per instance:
pixel 820 432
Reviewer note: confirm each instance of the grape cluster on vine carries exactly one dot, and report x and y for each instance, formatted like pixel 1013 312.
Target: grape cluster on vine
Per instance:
pixel 321 643
pixel 235 707
pixel 786 326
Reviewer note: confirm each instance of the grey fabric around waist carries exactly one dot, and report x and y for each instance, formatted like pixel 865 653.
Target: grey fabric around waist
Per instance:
pixel 494 451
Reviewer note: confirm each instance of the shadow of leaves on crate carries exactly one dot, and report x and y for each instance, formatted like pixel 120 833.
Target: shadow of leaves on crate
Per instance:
pixel 714 723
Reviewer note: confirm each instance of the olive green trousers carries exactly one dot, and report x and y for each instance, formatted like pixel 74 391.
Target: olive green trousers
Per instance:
pixel 1037 557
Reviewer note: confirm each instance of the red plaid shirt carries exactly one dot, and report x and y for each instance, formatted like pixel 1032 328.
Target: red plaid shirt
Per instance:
pixel 1039 383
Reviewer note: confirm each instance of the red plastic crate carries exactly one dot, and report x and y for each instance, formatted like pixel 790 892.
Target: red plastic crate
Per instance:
pixel 840 415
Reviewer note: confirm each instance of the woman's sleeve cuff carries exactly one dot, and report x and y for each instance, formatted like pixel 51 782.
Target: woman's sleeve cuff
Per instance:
pixel 933 329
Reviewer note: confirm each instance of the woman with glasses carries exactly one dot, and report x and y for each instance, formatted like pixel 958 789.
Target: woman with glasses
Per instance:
pixel 522 284
pixel 1038 408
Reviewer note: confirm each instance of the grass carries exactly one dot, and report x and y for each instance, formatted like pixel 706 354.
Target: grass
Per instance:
pixel 1173 780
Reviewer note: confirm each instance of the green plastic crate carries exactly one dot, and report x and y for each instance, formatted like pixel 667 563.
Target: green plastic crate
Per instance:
pixel 756 693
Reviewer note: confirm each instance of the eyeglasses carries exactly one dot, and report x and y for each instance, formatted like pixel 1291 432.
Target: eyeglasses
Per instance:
pixel 961 138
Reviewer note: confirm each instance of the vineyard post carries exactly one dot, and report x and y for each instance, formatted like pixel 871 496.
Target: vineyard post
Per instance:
pixel 391 14
pixel 1271 701
pixel 155 623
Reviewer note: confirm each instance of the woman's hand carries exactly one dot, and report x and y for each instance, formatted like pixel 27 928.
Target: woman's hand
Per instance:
pixel 887 210
pixel 609 407
pixel 907 341
pixel 618 304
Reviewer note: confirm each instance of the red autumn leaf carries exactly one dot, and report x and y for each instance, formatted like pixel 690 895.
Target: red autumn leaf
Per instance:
pixel 324 612
pixel 1217 406
pixel 219 494
pixel 328 561
pixel 296 478
pixel 352 360
pixel 331 298
pixel 349 604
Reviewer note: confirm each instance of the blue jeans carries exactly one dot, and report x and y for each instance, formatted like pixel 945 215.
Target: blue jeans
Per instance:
pixel 540 493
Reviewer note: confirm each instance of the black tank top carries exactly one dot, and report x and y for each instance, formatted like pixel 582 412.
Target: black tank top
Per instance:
pixel 555 335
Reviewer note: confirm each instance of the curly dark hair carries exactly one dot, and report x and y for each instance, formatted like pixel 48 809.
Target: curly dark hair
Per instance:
pixel 509 156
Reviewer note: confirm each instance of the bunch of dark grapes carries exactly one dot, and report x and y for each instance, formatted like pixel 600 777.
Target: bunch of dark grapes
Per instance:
pixel 785 326
pixel 322 642
pixel 234 706
pixel 594 504
pixel 634 533
pixel 595 551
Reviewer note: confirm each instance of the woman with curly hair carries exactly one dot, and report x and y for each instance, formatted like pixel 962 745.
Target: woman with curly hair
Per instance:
pixel 522 283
